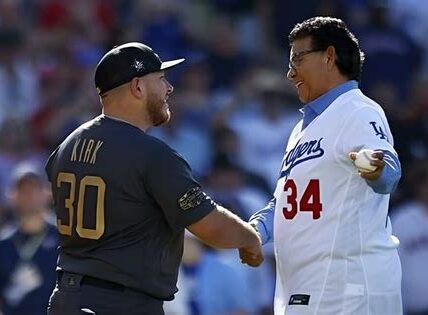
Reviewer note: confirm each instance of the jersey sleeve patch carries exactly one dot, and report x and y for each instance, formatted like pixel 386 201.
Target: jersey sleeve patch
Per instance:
pixel 378 130
pixel 191 199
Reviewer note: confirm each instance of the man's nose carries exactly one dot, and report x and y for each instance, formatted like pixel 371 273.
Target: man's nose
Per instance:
pixel 170 87
pixel 291 73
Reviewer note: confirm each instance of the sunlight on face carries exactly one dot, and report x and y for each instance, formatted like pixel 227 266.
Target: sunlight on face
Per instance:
pixel 306 70
pixel 157 105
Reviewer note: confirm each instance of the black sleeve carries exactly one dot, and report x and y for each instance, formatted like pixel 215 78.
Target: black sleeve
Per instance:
pixel 168 179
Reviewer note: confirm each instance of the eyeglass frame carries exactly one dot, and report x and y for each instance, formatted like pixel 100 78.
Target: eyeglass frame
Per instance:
pixel 298 57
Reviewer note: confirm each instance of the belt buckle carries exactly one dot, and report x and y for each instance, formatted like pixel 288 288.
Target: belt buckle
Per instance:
pixel 70 281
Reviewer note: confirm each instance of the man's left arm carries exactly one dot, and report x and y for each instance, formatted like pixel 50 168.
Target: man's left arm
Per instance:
pixel 385 178
pixel 389 176
pixel 368 129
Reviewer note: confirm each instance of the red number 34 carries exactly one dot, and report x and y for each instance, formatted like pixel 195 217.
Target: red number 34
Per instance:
pixel 312 191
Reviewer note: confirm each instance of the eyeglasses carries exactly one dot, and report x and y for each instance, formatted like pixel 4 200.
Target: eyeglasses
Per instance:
pixel 296 59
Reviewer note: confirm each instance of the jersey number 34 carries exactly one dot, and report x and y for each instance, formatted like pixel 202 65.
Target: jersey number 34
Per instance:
pixel 310 200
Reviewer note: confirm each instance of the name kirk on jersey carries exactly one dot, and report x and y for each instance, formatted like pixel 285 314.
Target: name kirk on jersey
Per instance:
pixel 300 153
pixel 85 150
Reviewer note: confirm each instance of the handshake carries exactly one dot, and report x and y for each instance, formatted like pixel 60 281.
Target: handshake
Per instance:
pixel 223 229
pixel 252 255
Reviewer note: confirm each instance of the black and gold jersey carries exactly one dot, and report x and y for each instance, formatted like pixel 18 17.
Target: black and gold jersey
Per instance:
pixel 123 199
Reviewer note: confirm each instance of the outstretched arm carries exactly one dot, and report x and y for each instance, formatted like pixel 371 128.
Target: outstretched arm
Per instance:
pixel 223 229
pixel 385 178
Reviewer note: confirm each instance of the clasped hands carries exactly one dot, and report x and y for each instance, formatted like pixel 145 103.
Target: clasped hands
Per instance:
pixel 252 255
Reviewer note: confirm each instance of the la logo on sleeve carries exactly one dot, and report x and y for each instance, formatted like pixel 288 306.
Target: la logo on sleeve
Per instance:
pixel 378 130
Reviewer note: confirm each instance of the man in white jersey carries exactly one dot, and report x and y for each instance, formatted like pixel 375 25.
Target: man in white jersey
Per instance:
pixel 333 245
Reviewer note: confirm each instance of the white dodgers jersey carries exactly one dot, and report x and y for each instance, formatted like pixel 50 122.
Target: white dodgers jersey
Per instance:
pixel 333 245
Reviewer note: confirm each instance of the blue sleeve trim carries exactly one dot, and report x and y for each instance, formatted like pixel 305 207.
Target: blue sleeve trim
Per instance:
pixel 391 174
pixel 263 219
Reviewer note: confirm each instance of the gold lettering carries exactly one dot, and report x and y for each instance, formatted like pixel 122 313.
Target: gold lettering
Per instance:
pixel 88 150
pixel 94 154
pixel 95 181
pixel 81 150
pixel 71 179
pixel 96 233
pixel 74 153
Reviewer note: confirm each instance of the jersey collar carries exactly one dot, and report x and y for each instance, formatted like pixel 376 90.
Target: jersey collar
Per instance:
pixel 316 107
pixel 101 116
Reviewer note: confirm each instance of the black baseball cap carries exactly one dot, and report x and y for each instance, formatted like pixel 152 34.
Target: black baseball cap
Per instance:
pixel 125 62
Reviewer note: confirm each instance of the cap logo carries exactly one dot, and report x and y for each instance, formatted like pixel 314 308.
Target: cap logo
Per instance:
pixel 138 65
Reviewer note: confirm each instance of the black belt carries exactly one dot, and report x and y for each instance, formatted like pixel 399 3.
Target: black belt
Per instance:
pixel 96 282
pixel 87 280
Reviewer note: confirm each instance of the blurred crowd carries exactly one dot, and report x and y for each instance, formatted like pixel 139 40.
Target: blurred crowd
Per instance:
pixel 232 112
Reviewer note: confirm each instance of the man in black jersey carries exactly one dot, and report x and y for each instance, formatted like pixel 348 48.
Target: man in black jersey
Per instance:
pixel 123 198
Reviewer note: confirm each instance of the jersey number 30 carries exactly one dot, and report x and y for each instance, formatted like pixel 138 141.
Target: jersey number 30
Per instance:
pixel 95 181
pixel 310 200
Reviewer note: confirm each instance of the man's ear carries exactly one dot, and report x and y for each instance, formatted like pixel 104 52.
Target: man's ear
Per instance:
pixel 137 87
pixel 331 57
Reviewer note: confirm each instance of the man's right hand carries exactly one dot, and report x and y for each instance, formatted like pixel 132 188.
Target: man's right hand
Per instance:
pixel 252 255
pixel 223 229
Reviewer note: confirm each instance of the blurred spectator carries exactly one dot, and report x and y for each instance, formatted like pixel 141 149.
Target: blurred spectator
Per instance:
pixel 264 131
pixel 261 280
pixel 192 95
pixel 235 188
pixel 189 127
pixel 185 138
pixel 411 15
pixel 227 150
pixel 28 248
pixel 207 285
pixel 285 14
pixel 10 13
pixel 225 58
pixel 410 225
pixel 391 55
pixel 243 192
pixel 66 102
pixel 226 144
pixel 162 27
pixel 19 90
pixel 251 39
pixel 16 146
pixel 232 106
pixel 413 133
pixel 5 217
pixel 58 15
